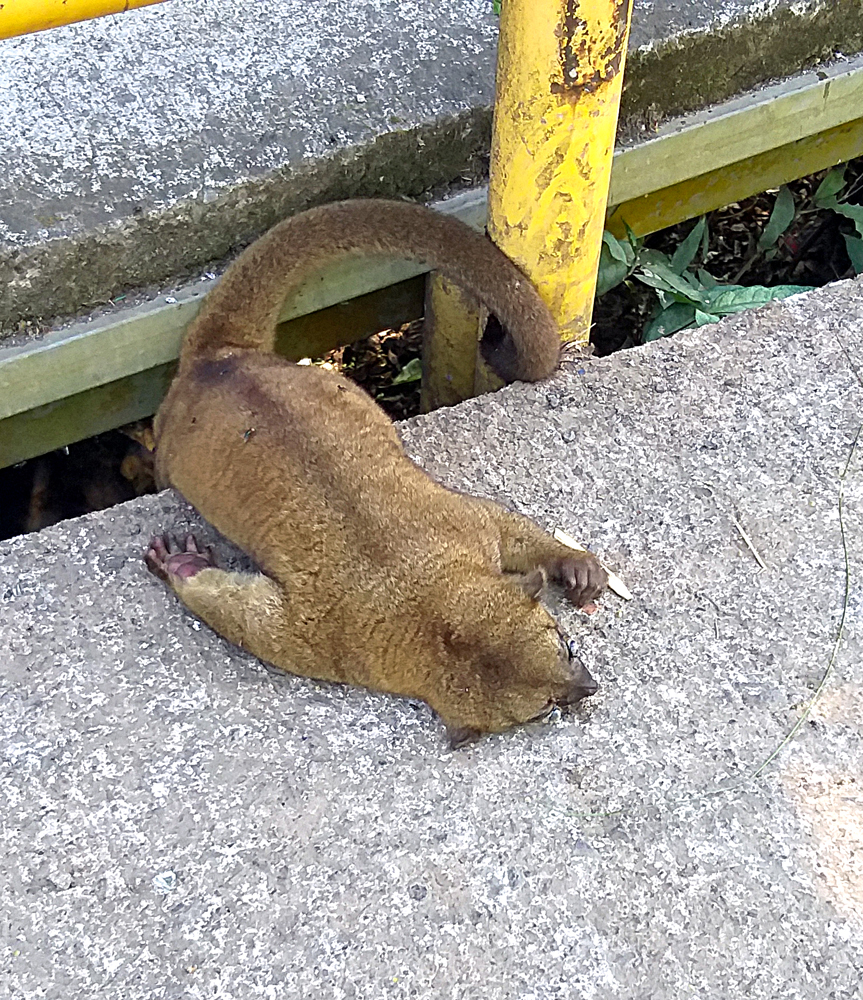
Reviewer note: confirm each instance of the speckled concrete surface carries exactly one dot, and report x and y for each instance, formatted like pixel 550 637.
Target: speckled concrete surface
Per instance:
pixel 137 148
pixel 180 821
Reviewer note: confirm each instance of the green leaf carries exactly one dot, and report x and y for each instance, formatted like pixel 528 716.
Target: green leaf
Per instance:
pixel 854 246
pixel 830 187
pixel 703 318
pixel 684 255
pixel 780 218
pixel 634 241
pixel 726 299
pixel 412 372
pixel 657 275
pixel 495 6
pixel 706 278
pixel 620 251
pixel 611 271
pixel 705 240
pixel 678 316
pixel 853 212
pixel 648 257
pixel 721 301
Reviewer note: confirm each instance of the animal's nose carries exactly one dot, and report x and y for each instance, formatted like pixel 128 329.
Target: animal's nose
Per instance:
pixel 581 684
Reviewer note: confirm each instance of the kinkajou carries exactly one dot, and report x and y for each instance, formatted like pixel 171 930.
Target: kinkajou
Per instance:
pixel 371 572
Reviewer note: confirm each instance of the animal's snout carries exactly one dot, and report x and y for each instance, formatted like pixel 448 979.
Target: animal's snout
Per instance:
pixel 581 684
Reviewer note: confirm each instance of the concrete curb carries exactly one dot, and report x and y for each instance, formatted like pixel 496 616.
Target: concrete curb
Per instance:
pixel 180 821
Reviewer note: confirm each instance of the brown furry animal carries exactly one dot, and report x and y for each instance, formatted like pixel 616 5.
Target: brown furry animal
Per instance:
pixel 373 574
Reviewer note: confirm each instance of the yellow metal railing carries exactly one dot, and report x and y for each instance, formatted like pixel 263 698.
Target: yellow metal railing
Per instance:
pixel 559 79
pixel 21 17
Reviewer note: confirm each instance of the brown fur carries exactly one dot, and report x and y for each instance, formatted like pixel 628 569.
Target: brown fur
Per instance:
pixel 243 312
pixel 373 574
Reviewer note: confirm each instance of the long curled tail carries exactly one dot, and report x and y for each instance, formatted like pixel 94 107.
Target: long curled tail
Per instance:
pixel 242 310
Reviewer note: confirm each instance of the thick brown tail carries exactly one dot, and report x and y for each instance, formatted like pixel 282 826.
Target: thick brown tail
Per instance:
pixel 242 310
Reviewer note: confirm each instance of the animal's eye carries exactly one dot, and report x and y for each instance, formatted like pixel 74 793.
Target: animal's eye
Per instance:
pixel 567 646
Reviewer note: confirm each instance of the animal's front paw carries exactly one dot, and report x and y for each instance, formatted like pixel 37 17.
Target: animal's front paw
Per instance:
pixel 583 578
pixel 165 558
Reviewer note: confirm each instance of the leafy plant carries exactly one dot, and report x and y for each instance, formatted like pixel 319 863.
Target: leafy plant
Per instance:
pixel 783 214
pixel 828 196
pixel 832 194
pixel 412 372
pixel 686 295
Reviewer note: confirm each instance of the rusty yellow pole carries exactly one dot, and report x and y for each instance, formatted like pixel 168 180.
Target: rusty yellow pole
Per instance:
pixel 559 79
pixel 20 17
pixel 450 334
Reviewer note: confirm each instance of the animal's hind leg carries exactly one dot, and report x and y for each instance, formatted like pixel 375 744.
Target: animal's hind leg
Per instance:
pixel 249 609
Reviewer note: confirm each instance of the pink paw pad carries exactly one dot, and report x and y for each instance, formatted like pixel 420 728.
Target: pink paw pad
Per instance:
pixel 166 558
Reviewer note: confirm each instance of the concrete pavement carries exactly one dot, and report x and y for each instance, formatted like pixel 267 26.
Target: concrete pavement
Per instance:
pixel 180 821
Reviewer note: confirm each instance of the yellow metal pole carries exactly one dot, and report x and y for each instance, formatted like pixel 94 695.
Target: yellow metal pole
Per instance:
pixel 20 17
pixel 559 78
pixel 450 334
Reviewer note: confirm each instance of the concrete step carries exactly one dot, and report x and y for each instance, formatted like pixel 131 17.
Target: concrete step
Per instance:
pixel 179 820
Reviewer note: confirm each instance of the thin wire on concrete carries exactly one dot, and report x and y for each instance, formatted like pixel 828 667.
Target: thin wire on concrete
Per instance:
pixel 825 677
pixel 840 632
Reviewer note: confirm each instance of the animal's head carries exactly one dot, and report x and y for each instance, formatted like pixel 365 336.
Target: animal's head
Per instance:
pixel 505 660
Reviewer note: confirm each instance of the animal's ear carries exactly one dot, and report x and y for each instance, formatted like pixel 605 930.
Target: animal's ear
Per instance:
pixel 532 583
pixel 461 736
